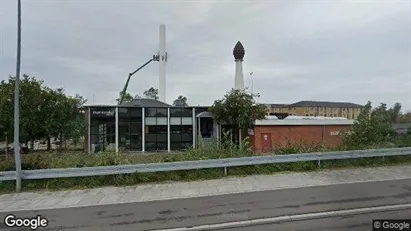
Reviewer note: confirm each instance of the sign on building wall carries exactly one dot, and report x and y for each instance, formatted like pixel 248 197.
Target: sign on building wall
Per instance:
pixel 335 133
pixel 102 112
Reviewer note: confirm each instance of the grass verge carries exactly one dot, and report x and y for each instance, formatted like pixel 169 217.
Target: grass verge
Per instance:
pixel 140 178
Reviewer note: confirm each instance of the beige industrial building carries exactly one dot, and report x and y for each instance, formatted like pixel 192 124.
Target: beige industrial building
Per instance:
pixel 317 108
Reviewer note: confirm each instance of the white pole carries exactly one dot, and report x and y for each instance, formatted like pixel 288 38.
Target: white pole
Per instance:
pixel 143 134
pixel 194 128
pixel 239 79
pixel 89 130
pixel 116 129
pixel 162 66
pixel 168 131
pixel 17 158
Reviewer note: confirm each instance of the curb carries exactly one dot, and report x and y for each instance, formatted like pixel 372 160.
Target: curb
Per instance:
pixel 289 218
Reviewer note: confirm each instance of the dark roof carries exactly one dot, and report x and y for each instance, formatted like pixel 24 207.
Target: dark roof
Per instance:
pixel 146 103
pixel 276 105
pixel 325 104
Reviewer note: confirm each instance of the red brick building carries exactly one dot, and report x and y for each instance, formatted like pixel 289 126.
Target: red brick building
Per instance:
pixel 292 130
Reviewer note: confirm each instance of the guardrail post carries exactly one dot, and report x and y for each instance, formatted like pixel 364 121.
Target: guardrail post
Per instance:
pixel 319 161
pixel 225 171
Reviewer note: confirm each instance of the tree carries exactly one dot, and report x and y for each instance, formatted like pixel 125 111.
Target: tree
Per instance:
pixel 373 126
pixel 395 113
pixel 44 112
pixel 405 118
pixel 238 109
pixel 151 93
pixel 127 97
pixel 181 101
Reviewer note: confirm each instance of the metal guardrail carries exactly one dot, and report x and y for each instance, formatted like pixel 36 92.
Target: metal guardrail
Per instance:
pixel 203 164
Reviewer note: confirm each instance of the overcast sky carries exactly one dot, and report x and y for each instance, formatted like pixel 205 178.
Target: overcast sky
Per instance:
pixel 297 50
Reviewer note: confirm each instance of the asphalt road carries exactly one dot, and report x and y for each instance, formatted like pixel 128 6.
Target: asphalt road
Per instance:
pixel 359 222
pixel 219 209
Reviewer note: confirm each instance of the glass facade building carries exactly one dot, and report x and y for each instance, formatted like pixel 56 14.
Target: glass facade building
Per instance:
pixel 134 129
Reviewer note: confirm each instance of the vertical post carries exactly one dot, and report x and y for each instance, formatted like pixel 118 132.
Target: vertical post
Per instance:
pixel 168 130
pixel 199 131
pixel 225 171
pixel 143 132
pixel 89 130
pixel 194 128
pixel 162 64
pixel 17 103
pixel 323 136
pixel 116 129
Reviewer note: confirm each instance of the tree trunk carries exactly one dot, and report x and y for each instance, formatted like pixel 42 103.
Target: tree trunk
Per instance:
pixel 61 141
pixel 31 144
pixel 239 136
pixel 7 146
pixel 48 144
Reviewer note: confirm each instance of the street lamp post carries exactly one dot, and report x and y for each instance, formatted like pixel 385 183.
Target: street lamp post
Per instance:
pixel 252 82
pixel 16 102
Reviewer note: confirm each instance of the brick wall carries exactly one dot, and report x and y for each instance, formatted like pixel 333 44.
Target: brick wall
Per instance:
pixel 282 134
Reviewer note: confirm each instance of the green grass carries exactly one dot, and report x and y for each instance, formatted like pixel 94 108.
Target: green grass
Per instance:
pixel 140 178
pixel 212 151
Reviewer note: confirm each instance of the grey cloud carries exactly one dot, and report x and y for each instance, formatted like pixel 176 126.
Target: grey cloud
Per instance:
pixel 342 51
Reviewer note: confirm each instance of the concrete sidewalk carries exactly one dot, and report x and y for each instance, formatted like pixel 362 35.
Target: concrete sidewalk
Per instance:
pixel 176 190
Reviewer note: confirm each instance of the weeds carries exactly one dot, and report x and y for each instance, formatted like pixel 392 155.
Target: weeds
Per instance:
pixel 212 150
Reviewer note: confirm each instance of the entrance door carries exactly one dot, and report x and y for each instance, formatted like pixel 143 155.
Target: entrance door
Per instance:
pixel 266 142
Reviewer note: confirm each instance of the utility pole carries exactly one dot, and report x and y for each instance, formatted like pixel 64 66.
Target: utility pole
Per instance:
pixel 17 103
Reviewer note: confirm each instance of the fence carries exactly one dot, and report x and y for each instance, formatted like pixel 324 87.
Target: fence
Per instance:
pixel 202 164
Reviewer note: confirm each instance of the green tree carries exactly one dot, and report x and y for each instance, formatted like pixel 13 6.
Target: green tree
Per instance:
pixel 238 109
pixel 372 127
pixel 395 113
pixel 127 97
pixel 151 93
pixel 181 101
pixel 44 112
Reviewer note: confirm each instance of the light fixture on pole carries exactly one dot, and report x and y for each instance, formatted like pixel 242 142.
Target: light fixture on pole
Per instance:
pixel 17 102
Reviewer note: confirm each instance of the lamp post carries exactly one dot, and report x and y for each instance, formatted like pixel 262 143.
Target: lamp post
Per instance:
pixel 16 102
pixel 252 82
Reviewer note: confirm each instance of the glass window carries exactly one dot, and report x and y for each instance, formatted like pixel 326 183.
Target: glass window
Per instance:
pixel 150 112
pixel 175 112
pixel 123 112
pixel 187 121
pixel 161 112
pixel 161 129
pixel 186 112
pixel 151 121
pixel 135 128
pixel 176 146
pixel 187 137
pixel 162 138
pixel 175 138
pixel 136 112
pixel 175 129
pixel 175 121
pixel 162 146
pixel 161 120
pixel 123 128
pixel 150 138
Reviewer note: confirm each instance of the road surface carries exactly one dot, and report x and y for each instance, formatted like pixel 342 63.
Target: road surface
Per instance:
pixel 225 208
pixel 359 222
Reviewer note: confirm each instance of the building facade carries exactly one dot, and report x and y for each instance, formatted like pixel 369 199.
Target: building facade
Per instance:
pixel 317 108
pixel 271 133
pixel 150 126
